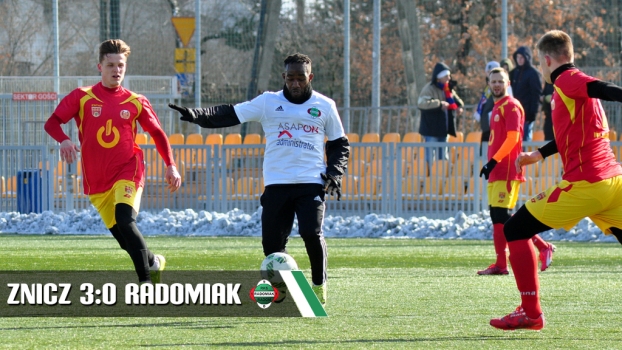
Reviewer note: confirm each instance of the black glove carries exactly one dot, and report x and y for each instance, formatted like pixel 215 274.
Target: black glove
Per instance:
pixel 187 115
pixel 332 186
pixel 486 169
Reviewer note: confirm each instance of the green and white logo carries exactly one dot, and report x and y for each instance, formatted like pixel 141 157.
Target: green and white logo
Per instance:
pixel 315 113
pixel 264 294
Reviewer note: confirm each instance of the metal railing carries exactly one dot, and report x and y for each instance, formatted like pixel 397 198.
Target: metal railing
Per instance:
pixel 383 178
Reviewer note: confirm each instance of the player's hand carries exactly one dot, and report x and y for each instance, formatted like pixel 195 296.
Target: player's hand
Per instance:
pixel 486 169
pixel 332 185
pixel 526 158
pixel 187 114
pixel 68 151
pixel 173 179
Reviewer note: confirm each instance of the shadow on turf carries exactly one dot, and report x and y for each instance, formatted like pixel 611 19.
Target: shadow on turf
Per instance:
pixel 357 341
pixel 189 325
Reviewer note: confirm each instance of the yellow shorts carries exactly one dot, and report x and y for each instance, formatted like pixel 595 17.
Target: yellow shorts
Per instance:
pixel 566 203
pixel 498 195
pixel 123 191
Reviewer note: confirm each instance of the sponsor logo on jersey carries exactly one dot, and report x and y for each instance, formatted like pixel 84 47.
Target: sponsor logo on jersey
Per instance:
pixel 279 109
pixel 96 111
pixel 315 113
pixel 309 129
pixel 284 132
pixel 125 114
pixel 295 143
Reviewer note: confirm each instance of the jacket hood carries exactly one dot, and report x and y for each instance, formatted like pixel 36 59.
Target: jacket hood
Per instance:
pixel 526 52
pixel 437 69
pixel 507 62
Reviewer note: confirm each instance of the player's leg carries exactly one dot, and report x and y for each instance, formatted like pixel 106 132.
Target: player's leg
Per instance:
pixel 142 258
pixel 519 230
pixel 277 218
pixel 127 204
pixel 310 213
pixel 498 216
pixel 117 235
pixel 502 197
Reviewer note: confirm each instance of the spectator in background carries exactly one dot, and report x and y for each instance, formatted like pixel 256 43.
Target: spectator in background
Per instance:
pixel 439 105
pixel 485 105
pixel 527 87
pixel 547 95
pixel 506 64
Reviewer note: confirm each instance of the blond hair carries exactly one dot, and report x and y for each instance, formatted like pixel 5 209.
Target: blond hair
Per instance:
pixel 556 44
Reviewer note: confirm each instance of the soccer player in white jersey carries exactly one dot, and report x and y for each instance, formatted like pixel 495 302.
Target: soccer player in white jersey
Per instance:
pixel 295 121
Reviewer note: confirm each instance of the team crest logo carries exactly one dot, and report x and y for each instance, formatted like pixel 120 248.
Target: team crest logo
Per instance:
pixel 96 111
pixel 125 114
pixel 501 195
pixel 538 197
pixel 128 192
pixel 315 113
pixel 496 117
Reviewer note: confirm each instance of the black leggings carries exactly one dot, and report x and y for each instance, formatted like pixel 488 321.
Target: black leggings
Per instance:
pixel 131 240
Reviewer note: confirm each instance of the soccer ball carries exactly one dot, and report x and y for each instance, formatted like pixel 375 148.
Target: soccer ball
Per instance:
pixel 277 262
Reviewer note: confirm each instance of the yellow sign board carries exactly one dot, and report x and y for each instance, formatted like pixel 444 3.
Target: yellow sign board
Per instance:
pixel 184 26
pixel 184 60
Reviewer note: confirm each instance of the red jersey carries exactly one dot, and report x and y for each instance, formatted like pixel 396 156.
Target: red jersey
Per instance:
pixel 507 115
pixel 581 130
pixel 106 120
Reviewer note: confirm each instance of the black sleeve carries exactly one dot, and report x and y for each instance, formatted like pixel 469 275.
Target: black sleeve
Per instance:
pixel 337 154
pixel 604 91
pixel 216 117
pixel 549 149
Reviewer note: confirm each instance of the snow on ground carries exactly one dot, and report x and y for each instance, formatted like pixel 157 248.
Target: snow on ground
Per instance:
pixel 238 223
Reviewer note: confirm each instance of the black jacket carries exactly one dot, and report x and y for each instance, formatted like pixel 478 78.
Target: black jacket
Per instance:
pixel 526 84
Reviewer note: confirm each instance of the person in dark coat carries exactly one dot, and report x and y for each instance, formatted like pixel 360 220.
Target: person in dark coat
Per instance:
pixel 527 87
pixel 439 105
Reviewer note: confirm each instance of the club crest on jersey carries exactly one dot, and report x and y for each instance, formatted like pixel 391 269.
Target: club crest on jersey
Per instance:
pixel 128 192
pixel 496 117
pixel 125 114
pixel 501 195
pixel 96 111
pixel 314 112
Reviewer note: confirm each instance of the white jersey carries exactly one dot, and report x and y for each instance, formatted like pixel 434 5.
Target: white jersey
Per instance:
pixel 294 135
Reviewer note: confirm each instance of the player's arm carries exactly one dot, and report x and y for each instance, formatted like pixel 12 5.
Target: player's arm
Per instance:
pixel 511 140
pixel 526 158
pixel 213 117
pixel 604 91
pixel 68 150
pixel 172 176
pixel 337 155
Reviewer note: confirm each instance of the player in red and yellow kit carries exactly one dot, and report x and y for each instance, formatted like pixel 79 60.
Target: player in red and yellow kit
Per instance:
pixel 591 184
pixel 112 163
pixel 504 146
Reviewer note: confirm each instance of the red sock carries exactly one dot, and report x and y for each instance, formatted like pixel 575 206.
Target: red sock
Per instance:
pixel 498 239
pixel 525 268
pixel 539 242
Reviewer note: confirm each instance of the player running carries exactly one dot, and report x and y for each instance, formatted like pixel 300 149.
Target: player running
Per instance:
pixel 504 146
pixel 591 184
pixel 295 121
pixel 113 167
